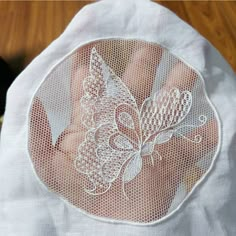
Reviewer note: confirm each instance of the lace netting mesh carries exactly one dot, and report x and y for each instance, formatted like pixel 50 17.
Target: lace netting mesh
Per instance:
pixel 123 130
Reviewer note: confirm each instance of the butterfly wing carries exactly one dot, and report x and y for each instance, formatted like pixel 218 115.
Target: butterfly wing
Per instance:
pixel 163 111
pixel 103 93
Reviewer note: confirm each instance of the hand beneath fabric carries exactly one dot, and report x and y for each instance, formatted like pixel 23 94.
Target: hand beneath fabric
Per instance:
pixel 152 191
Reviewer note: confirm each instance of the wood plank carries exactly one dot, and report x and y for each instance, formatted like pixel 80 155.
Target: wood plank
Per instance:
pixel 29 27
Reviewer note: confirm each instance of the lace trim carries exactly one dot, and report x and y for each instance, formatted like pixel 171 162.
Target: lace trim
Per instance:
pixel 119 134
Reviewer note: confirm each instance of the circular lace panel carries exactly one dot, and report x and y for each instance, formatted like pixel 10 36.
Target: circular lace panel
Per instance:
pixel 123 130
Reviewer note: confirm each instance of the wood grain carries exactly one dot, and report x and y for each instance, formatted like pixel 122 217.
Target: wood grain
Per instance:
pixel 27 28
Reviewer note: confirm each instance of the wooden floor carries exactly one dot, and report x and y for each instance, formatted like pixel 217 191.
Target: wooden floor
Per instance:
pixel 28 27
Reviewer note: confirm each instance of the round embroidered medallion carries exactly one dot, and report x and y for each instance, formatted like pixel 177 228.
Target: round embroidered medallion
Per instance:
pixel 123 130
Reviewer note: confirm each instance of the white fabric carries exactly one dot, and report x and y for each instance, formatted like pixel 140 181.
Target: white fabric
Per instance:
pixel 28 209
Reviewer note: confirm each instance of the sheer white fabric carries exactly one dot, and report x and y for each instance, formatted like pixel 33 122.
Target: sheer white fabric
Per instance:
pixel 204 201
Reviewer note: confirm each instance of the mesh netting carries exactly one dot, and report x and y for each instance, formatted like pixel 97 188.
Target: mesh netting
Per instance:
pixel 123 130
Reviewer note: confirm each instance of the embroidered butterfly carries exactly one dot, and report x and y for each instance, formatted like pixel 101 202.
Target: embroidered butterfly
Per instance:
pixel 119 134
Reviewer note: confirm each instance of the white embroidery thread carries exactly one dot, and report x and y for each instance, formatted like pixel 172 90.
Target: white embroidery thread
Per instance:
pixel 119 133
